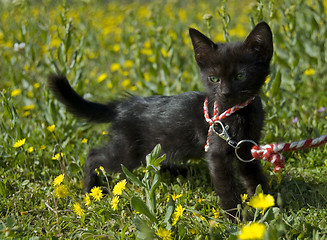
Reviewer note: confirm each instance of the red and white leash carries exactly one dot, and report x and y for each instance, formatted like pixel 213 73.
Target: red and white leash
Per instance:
pixel 271 152
pixel 218 117
pixel 268 152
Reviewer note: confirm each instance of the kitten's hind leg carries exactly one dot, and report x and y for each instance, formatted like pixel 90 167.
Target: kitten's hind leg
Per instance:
pixel 97 157
pixel 110 158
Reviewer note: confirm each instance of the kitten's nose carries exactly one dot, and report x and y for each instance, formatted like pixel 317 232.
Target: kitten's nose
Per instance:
pixel 226 93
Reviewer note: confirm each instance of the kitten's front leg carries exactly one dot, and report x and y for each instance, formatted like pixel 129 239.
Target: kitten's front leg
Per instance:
pixel 252 175
pixel 222 176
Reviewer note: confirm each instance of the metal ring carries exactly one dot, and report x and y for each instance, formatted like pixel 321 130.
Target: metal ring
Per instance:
pixel 238 146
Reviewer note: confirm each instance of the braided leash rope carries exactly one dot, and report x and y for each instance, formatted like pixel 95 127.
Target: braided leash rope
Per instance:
pixel 271 152
pixel 268 152
pixel 218 117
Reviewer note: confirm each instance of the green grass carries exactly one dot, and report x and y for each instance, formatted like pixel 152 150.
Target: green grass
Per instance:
pixel 108 49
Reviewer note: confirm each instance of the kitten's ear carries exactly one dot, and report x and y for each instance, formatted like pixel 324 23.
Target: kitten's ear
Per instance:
pixel 202 45
pixel 260 41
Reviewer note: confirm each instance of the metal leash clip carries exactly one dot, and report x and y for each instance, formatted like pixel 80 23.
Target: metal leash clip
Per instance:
pixel 223 134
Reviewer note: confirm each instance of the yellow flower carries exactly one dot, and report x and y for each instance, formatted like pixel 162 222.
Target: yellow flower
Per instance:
pixel 128 64
pixel 115 67
pixel 56 157
pixel 58 180
pixel 164 234
pixel 262 201
pixel 36 85
pixel 164 53
pixel 87 200
pixel 147 76
pixel 146 51
pixel 78 210
pixel 104 133
pixel 96 193
pixel 253 231
pixel 84 140
pixel 114 202
pixel 119 187
pixel 199 216
pixel 28 107
pixel 177 214
pixel 19 143
pixel 309 72
pixel 16 92
pixel 43 147
pixel 102 77
pixel 244 197
pixel 174 197
pixel 126 83
pixel 215 213
pixel 116 48
pixel 51 128
pixel 61 191
pixel 30 149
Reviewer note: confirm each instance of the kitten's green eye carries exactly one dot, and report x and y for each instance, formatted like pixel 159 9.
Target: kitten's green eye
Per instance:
pixel 213 79
pixel 240 76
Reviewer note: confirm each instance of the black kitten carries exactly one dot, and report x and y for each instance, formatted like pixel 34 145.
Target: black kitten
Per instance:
pixel 232 73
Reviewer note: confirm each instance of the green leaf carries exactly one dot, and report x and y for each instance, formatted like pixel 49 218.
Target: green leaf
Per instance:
pixel 3 189
pixel 151 157
pixel 143 229
pixel 155 183
pixel 170 210
pixel 276 84
pixel 139 206
pixel 271 214
pixel 132 177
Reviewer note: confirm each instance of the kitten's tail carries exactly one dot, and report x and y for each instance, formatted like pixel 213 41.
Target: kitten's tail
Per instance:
pixel 77 105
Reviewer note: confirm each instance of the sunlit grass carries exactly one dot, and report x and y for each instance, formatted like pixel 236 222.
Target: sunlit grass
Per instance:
pixel 143 48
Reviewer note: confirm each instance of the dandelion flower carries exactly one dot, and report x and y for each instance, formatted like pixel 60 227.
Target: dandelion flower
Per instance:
pixel 128 64
pixel 177 214
pixel 244 197
pixel 19 143
pixel 253 231
pixel 78 210
pixel 58 180
pixel 114 67
pixel 56 157
pixel 104 133
pixel 114 202
pixel 102 77
pixel 51 128
pixel 42 147
pixel 61 191
pixel 119 187
pixel 16 92
pixel 87 200
pixel 28 107
pixel 164 53
pixel 30 149
pixel 309 72
pixel 174 197
pixel 262 201
pixel 164 234
pixel 84 140
pixel 215 213
pixel 96 193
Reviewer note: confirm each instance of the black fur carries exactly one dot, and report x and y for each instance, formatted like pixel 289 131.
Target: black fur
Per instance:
pixel 177 122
